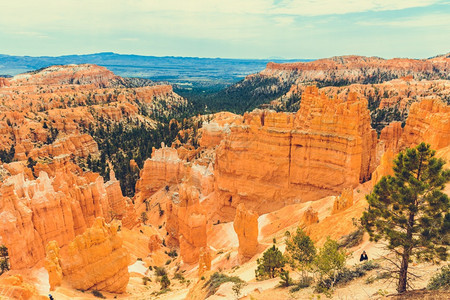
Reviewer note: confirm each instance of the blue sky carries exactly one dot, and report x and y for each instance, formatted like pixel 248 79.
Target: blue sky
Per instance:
pixel 226 28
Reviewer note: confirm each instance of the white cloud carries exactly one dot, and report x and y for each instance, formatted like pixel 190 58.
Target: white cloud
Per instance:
pixel 435 20
pixel 333 7
pixel 53 10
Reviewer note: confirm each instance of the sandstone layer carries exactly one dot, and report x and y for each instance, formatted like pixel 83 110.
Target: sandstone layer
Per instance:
pixel 273 159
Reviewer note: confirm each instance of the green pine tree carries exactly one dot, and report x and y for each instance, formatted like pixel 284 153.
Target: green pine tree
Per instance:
pixel 300 251
pixel 330 260
pixel 270 264
pixel 409 210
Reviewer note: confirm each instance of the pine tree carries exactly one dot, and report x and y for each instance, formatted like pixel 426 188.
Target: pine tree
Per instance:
pixel 409 210
pixel 330 260
pixel 270 264
pixel 300 251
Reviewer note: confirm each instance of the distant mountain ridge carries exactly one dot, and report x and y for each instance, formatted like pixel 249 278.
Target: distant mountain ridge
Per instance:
pixel 191 71
pixel 277 79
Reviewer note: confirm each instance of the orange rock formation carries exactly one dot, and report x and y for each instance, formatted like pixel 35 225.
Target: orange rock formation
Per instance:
pixel 164 168
pixel 186 223
pixel 353 68
pixel 60 204
pixel 429 122
pixel 273 159
pixel 344 201
pixel 310 216
pixel 246 227
pixel 204 261
pixel 14 287
pixel 95 260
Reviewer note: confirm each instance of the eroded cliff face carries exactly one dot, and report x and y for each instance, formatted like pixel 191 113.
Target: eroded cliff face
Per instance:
pixel 58 75
pixel 428 121
pixel 187 223
pixel 58 205
pixel 274 159
pixel 164 168
pixel 94 260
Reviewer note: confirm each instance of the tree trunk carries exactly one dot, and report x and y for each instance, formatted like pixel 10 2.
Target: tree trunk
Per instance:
pixel 403 274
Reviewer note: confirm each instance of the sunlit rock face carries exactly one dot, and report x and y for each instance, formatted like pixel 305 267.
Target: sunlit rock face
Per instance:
pixel 274 159
pixel 94 260
pixel 246 227
pixel 58 205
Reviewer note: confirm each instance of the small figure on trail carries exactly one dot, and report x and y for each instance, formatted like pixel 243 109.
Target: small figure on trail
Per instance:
pixel 363 256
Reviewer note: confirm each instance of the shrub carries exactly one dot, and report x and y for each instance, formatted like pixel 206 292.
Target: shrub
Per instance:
pixel 4 265
pixel 346 275
pixel 270 264
pixel 165 282
pixel 3 251
pixel 179 276
pixel 217 279
pixel 440 280
pixel 98 294
pixel 173 253
pixel 237 287
pixel 378 276
pixel 353 239
pixel 4 259
pixel 330 261
pixel 161 292
pixel 144 217
pixel 303 283
pixel 160 271
pixel 145 280
pixel 168 262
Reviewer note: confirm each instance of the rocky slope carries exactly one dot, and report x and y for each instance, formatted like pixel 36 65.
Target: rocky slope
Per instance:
pixel 38 108
pixel 48 150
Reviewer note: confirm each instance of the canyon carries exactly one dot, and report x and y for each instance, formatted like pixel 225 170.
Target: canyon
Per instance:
pixel 225 188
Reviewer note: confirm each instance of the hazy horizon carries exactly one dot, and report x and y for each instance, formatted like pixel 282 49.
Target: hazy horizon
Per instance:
pixel 225 58
pixel 254 29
